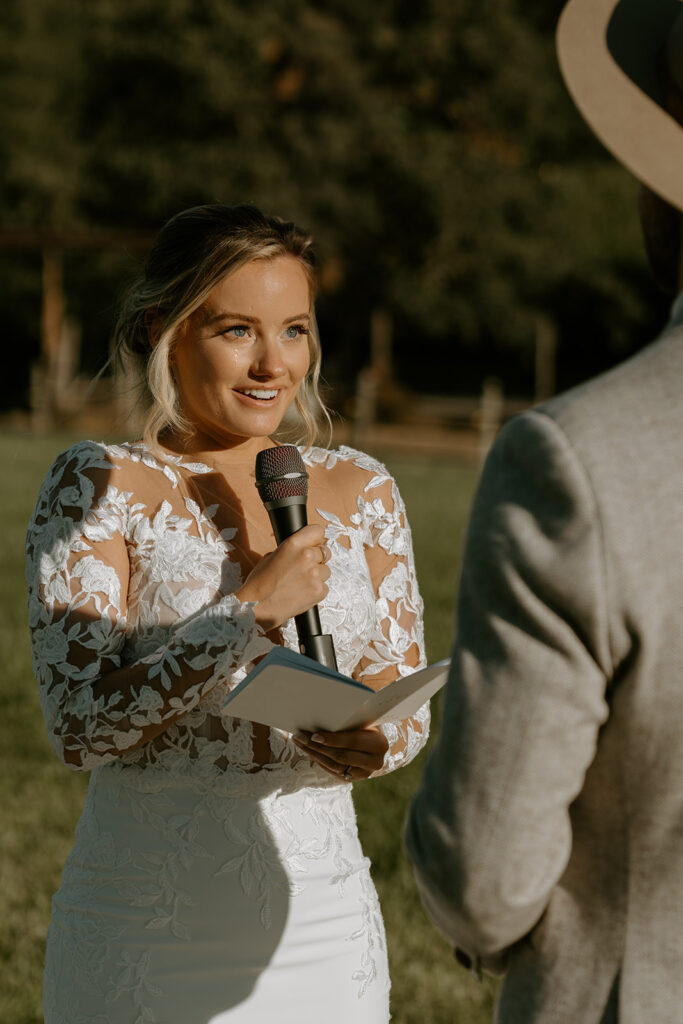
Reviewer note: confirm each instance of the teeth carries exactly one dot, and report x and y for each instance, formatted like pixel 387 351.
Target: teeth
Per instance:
pixel 258 393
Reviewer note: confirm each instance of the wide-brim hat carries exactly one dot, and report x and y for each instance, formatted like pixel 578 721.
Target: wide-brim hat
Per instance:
pixel 608 52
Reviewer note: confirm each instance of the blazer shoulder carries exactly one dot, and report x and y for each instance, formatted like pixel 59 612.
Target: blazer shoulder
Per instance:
pixel 640 394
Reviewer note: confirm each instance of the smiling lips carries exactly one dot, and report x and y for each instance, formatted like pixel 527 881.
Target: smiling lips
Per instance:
pixel 261 394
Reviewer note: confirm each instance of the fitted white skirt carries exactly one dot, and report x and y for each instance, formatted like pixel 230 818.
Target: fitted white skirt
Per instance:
pixel 240 901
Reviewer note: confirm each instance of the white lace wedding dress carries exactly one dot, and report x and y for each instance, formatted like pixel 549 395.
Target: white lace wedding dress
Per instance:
pixel 216 874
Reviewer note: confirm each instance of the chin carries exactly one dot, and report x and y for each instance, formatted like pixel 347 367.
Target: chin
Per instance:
pixel 241 432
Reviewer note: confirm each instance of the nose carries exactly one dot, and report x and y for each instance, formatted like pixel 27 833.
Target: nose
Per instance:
pixel 268 362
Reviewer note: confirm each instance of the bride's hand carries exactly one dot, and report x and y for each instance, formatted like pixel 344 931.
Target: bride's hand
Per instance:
pixel 289 580
pixel 351 755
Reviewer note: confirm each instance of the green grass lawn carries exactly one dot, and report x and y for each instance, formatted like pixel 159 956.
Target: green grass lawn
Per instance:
pixel 42 799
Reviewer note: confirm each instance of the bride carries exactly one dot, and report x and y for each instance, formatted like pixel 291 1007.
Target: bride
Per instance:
pixel 216 873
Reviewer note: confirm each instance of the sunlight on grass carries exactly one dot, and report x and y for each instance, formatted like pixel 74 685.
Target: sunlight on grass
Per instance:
pixel 42 799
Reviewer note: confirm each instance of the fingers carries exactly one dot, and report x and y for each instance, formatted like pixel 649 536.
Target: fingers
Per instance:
pixel 358 753
pixel 341 770
pixel 309 547
pixel 308 537
pixel 289 580
pixel 315 573
pixel 370 740
pixel 317 558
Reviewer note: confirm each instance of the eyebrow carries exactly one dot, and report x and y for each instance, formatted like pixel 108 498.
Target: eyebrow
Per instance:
pixel 208 321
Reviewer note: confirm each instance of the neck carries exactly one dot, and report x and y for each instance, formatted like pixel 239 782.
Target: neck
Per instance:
pixel 207 449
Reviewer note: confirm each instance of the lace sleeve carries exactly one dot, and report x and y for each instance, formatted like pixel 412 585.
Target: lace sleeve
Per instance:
pixel 396 647
pixel 78 573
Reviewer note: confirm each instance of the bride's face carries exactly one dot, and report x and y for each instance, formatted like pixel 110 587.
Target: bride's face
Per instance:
pixel 240 358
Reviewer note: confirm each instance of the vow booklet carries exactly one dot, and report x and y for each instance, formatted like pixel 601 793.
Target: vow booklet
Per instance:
pixel 288 691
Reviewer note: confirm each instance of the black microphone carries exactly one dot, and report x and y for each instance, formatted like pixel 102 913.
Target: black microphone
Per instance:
pixel 282 483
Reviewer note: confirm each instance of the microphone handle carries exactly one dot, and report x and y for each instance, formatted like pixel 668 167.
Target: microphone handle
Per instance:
pixel 317 646
pixel 288 516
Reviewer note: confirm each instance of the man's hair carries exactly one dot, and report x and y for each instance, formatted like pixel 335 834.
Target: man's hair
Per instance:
pixel 662 222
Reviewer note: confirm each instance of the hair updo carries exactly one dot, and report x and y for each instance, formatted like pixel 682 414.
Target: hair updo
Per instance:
pixel 193 252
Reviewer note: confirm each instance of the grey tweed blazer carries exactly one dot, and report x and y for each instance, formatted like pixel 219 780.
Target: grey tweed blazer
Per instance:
pixel 547 835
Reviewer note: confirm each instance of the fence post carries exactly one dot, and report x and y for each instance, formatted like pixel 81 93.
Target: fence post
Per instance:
pixel 364 406
pixel 46 377
pixel 490 415
pixel 376 375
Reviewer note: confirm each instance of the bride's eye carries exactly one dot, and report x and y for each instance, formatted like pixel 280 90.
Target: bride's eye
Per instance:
pixel 295 331
pixel 237 331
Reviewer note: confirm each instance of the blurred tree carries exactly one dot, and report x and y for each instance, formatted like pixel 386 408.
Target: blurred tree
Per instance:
pixel 430 148
pixel 41 77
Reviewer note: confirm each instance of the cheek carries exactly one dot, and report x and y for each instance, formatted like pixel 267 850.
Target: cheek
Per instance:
pixel 303 363
pixel 209 365
pixel 228 365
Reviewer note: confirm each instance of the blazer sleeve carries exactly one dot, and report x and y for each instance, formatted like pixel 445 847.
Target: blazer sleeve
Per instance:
pixel 489 831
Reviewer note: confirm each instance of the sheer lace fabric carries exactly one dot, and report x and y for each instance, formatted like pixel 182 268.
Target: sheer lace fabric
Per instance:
pixel 132 566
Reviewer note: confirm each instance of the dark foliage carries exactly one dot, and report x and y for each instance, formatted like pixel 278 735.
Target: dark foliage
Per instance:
pixel 430 147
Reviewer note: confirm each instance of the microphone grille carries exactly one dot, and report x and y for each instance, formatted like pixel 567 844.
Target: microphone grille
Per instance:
pixel 281 473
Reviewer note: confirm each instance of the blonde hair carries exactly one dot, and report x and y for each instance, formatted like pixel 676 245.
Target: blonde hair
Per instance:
pixel 193 252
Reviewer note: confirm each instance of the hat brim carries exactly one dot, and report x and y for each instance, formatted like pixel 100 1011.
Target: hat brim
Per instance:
pixel 607 51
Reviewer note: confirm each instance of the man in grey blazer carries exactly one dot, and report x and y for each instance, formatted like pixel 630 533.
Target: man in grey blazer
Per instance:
pixel 547 835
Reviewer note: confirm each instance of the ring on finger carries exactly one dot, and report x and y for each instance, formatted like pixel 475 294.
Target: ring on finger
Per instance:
pixel 346 774
pixel 325 552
